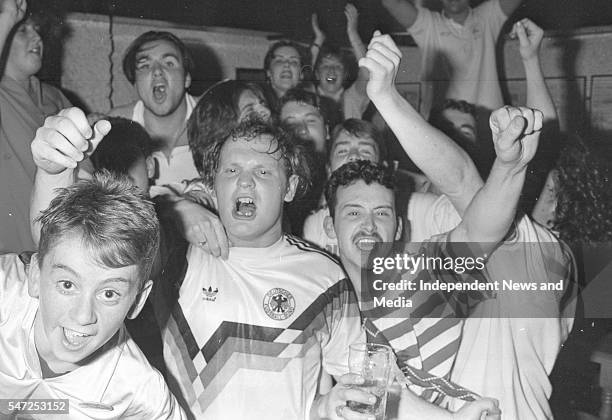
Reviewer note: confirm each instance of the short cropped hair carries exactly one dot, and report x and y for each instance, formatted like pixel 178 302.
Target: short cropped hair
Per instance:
pixel 129 59
pixel 285 43
pixel 361 129
pixel 125 144
pixel 359 170
pixel 117 225
pixel 291 151
pixel 216 115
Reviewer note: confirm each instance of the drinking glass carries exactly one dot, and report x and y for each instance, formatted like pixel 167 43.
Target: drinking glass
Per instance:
pixel 373 363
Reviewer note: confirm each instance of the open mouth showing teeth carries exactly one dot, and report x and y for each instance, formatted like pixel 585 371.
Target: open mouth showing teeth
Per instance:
pixel 245 207
pixel 366 244
pixel 75 338
pixel 330 79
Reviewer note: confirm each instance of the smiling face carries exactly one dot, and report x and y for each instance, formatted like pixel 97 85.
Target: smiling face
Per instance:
pixel 285 69
pixel 331 74
pixel 364 215
pixel 307 123
pixel 349 148
pixel 160 77
pixel 249 105
pixel 250 187
pixel 25 55
pixel 82 304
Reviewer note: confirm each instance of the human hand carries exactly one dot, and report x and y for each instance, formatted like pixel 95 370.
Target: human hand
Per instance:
pixel 352 18
pixel 319 35
pixel 382 61
pixel 13 10
pixel 65 140
pixel 530 38
pixel 481 409
pixel 516 132
pixel 333 404
pixel 94 117
pixel 201 227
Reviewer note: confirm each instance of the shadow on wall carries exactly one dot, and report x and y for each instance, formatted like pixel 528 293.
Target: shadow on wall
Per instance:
pixel 207 68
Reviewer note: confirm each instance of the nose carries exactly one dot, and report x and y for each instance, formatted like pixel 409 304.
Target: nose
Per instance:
pixel 353 155
pixel 156 68
pixel 367 223
pixel 301 129
pixel 83 311
pixel 245 180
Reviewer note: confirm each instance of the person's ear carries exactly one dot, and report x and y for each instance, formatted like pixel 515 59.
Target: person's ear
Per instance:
pixel 187 80
pixel 398 231
pixel 328 227
pixel 292 186
pixel 141 298
pixel 34 277
pixel 268 75
pixel 150 164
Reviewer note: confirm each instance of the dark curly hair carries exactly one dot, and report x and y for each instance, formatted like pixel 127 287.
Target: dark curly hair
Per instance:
pixel 291 152
pixel 216 115
pixel 359 170
pixel 584 191
pixel 129 59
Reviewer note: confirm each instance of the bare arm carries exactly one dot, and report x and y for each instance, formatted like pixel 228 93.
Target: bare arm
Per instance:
pixel 402 10
pixel 447 165
pixel 59 145
pixel 359 49
pixel 319 39
pixel 489 216
pixel 530 38
pixel 509 6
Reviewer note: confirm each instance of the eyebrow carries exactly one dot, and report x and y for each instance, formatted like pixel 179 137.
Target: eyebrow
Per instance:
pixel 74 273
pixel 285 56
pixel 359 143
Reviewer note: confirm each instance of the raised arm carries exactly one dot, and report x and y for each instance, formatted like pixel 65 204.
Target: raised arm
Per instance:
pixel 402 10
pixel 11 13
pixel 59 145
pixel 319 39
pixel 489 216
pixel 359 49
pixel 509 6
pixel 530 38
pixel 446 165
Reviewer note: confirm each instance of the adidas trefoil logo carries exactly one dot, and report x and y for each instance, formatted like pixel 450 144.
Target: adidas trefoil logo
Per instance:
pixel 210 294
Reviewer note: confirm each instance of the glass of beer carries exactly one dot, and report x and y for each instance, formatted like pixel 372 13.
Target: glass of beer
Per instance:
pixel 373 363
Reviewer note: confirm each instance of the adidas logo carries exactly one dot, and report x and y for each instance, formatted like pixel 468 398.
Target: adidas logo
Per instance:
pixel 210 294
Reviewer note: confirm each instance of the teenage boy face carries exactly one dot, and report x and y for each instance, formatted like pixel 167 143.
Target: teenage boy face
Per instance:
pixel 285 69
pixel 250 187
pixel 348 148
pixel 330 74
pixel 364 215
pixel 160 77
pixel 82 304
pixel 307 123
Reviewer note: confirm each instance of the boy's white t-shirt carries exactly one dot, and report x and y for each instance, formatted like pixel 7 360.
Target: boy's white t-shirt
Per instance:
pixel 119 383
